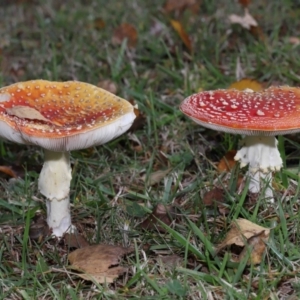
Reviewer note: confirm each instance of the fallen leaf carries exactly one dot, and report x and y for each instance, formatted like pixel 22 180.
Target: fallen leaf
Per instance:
pixel 99 24
pixel 213 197
pixel 170 260
pixel 75 240
pixel 108 85
pixel 246 21
pixel 245 3
pixel 179 5
pixel 39 229
pixel 161 212
pixel 257 32
pixel 26 112
pixel 125 31
pixel 195 8
pixel 135 143
pixel 8 171
pixel 247 83
pixel 99 262
pixel 156 177
pixel 256 246
pixel 182 34
pixel 227 162
pixel 241 230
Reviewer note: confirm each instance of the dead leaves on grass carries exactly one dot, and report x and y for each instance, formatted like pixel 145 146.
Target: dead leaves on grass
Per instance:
pixel 248 235
pixel 75 240
pixel 178 27
pixel 155 177
pixel 125 31
pixel 178 6
pixel 39 229
pixel 8 171
pixel 247 83
pixel 99 263
pixel 256 246
pixel 162 213
pixel 227 163
pixel 215 196
pixel 248 22
pixel 175 9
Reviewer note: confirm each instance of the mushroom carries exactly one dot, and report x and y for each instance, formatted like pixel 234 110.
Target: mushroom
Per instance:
pixel 260 116
pixel 60 117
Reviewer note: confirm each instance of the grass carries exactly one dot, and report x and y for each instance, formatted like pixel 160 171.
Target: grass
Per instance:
pixel 57 40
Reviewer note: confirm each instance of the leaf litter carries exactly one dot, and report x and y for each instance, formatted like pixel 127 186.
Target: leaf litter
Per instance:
pixel 125 31
pixel 164 213
pixel 249 235
pixel 99 263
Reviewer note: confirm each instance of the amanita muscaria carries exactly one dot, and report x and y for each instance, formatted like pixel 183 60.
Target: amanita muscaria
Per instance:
pixel 60 117
pixel 260 116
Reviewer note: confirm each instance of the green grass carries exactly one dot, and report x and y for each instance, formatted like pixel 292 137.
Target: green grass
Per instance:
pixel 57 40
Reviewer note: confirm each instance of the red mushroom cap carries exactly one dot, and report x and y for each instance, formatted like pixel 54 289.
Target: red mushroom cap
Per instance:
pixel 273 111
pixel 62 116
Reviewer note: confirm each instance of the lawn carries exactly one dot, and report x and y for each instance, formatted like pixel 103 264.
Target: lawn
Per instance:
pixel 157 189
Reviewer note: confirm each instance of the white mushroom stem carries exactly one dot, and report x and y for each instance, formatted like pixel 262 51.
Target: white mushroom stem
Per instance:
pixel 54 184
pixel 263 157
pixel 255 183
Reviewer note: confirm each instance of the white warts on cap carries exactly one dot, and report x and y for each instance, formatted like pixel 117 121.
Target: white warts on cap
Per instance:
pixel 260 113
pixel 4 97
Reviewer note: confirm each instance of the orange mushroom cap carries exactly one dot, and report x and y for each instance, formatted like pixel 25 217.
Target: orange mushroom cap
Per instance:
pixel 273 111
pixel 61 116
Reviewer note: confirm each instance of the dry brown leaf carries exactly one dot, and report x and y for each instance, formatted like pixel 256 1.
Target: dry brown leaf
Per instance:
pixel 26 112
pixel 8 171
pixel 214 196
pixel 245 3
pixel 161 212
pixel 108 85
pixel 195 8
pixel 182 33
pixel 179 5
pixel 99 24
pixel 39 229
pixel 256 246
pixel 247 83
pixel 241 230
pixel 257 32
pixel 75 240
pixel 125 31
pixel 227 162
pixel 99 262
pixel 156 177
pixel 170 260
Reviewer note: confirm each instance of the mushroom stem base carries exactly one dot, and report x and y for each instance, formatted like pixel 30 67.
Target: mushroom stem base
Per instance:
pixel 54 184
pixel 263 157
pixel 255 184
pixel 58 216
